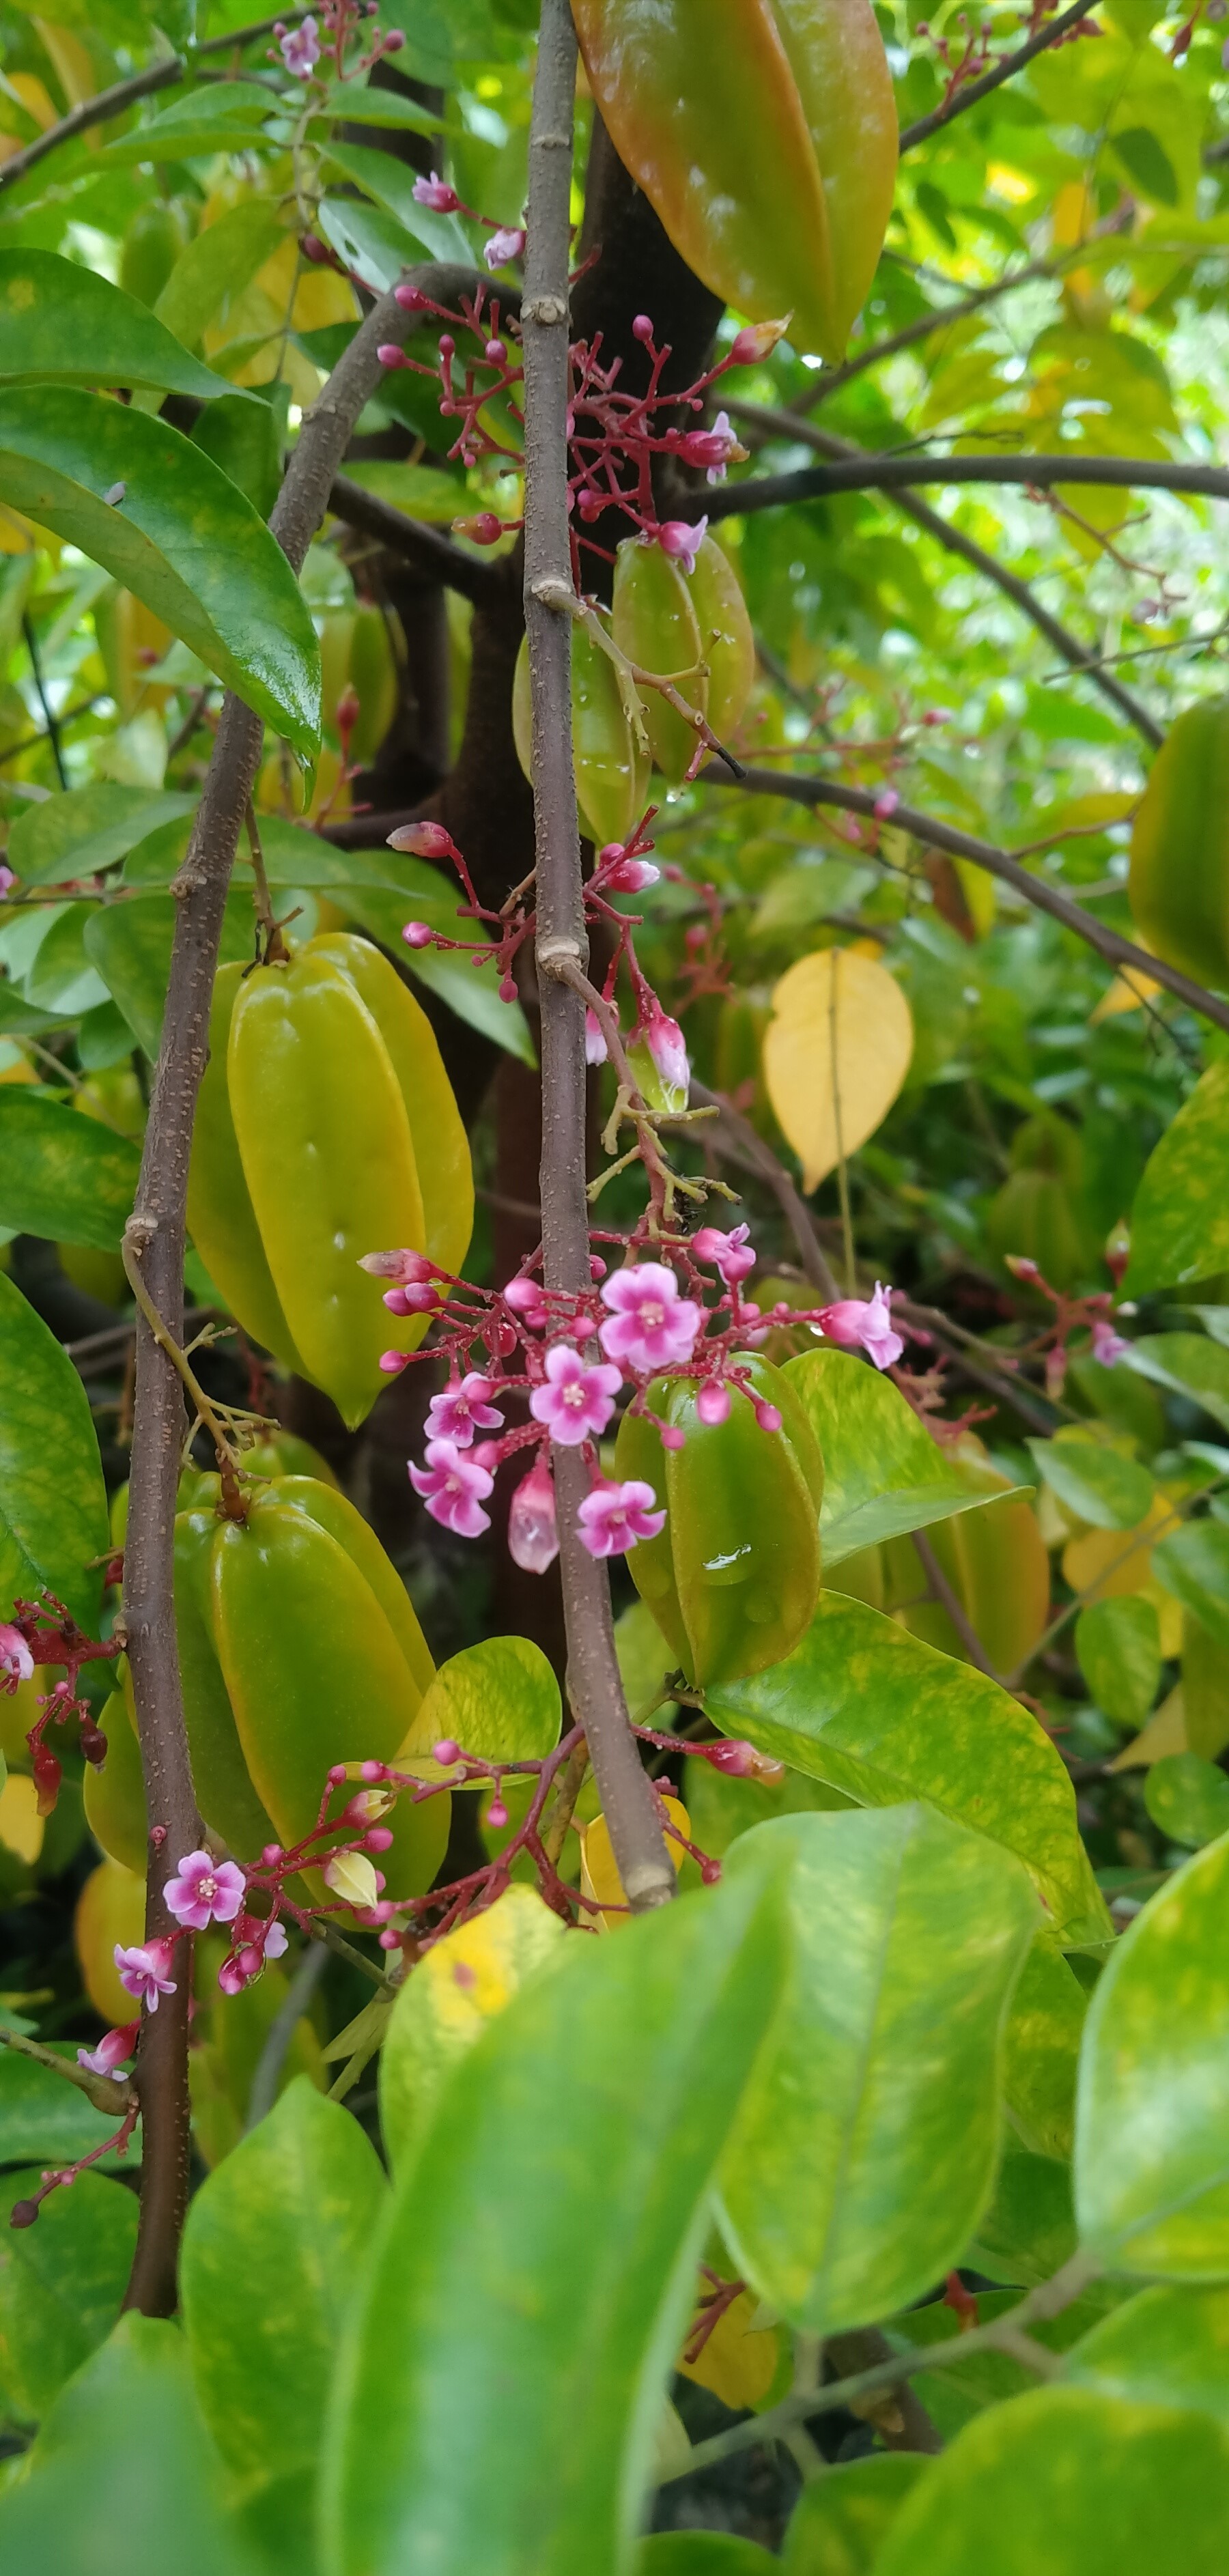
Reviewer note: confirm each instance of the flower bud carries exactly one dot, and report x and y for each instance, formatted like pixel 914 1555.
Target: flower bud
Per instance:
pixel 757 340
pixel 533 1531
pixel 378 1840
pixel 642 328
pixel 391 356
pixel 351 1876
pixel 713 1403
pixel 767 1416
pixel 424 840
pixel 497 1813
pixel 446 1751
pixel 418 934
pixel 411 299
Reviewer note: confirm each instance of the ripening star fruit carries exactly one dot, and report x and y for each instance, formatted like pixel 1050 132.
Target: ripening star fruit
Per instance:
pixel 1179 880
pixel 656 625
pixel 764 134
pixel 326 1128
pixel 734 1577
pixel 612 773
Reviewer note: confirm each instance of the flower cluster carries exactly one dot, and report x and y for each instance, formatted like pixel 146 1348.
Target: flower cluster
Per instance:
pixel 1072 1315
pixel 300 46
pixel 49 1635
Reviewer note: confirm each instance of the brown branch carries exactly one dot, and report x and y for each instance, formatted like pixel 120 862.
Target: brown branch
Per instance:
pixel 784 424
pixel 154 1242
pixel 1109 944
pixel 594 1683
pixel 427 548
pixel 993 79
pixel 866 473
pixel 109 103
pixel 833 380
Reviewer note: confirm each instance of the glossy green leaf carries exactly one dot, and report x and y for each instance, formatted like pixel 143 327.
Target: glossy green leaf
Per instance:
pixel 61 977
pixel 1166 2347
pixel 391 182
pixel 457 1989
pixel 1099 1485
pixel 61 2282
pixel 1180 1218
pixel 1187 1798
pixel 62 1176
pixel 1152 2117
pixel 123 2480
pixel 498 1700
pixel 130 944
pixel 244 438
pixel 702 2553
pixel 80 834
pixel 840 2520
pixel 471 991
pixel 1189 1364
pixel 872 1710
pixel 866 2144
pixel 1028 2232
pixel 370 106
pixel 272 2257
pixel 53 1521
pixel 883 1473
pixel 1118 1650
pixel 293 856
pixel 1193 1563
pixel 537 2267
pixel 1041 2048
pixel 230 116
pixel 179 535
pixel 722 1808
pixel 370 241
pixel 46 2121
pixel 219 262
pixel 1205 1689
pixel 1072 2483
pixel 61 323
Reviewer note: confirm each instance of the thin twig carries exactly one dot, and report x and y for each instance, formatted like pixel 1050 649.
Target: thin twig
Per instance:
pixel 50 719
pixel 281 2031
pixel 109 103
pixel 426 548
pixel 114 2095
pixel 948 1599
pixel 1002 71
pixel 890 473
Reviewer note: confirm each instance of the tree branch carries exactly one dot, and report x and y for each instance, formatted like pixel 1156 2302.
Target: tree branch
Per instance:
pixel 992 80
pixel 427 548
pixel 864 472
pixel 784 424
pixel 1109 944
pixel 593 1673
pixel 109 103
pixel 734 1139
pixel 154 1240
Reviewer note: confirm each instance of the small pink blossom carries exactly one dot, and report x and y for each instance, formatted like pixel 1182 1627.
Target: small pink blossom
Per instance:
pixel 143 1971
pixel 454 1489
pixel 1107 1345
pixel 301 48
pixel 595 1043
pixel 463 1408
pixel 577 1400
pixel 16 1660
pixel 730 1254
pixel 683 540
pixel 112 2049
pixel 614 1517
pixel 436 193
pixel 712 1403
pixel 668 1048
pixel 206 1891
pixel 649 1326
pixel 716 448
pixel 533 1530
pixel 508 243
pixel 864 1323
pixel 757 340
pixel 275 1944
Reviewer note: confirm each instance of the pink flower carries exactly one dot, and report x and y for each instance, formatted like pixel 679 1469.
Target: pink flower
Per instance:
pixel 595 1043
pixel 867 1324
pixel 712 1403
pixel 757 340
pixel 462 1409
pixel 886 803
pixel 668 1048
pixel 716 447
pixel 730 1254
pixel 301 49
pixel 436 193
pixel 16 1660
pixel 8 877
pixel 577 1400
pixel 1107 1346
pixel 533 1531
pixel 454 1489
pixel 624 876
pixel 275 1943
pixel 206 1891
pixel 613 1517
pixel 508 243
pixel 650 1326
pixel 143 1971
pixel 678 537
pixel 112 2049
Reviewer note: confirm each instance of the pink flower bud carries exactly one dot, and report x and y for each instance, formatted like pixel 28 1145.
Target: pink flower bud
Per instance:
pixel 447 1750
pixel 411 299
pixel 378 1839
pixel 766 1415
pixel 671 1437
pixel 713 1403
pixel 757 340
pixel 316 251
pixel 507 988
pixel 505 244
pixel 885 804
pixel 403 1265
pixel 496 351
pixel 391 1363
pixel 521 1294
pixel 642 328
pixel 418 934
pixel 394 40
pixel 497 1813
pixel 425 840
pixel 390 355
pixel 436 193
pixel 533 1534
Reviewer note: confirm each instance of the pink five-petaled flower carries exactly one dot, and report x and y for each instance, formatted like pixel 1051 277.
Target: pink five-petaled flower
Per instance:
pixel 436 193
pixel 716 447
pixel 301 48
pixel 678 537
pixel 454 1488
pixel 463 1408
pixel 533 1531
pixel 865 1323
pixel 206 1891
pixel 577 1400
pixel 730 1254
pixel 508 243
pixel 668 1048
pixel 650 1326
pixel 613 1517
pixel 16 1660
pixel 143 1971
pixel 112 2049
pixel 1107 1346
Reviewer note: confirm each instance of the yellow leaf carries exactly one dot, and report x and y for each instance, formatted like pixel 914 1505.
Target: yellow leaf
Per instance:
pixel 1164 1733
pixel 1104 1563
pixel 21 1826
pixel 474 1972
pixel 1128 992
pixel 739 2359
pixel 599 1877
pixel 836 1053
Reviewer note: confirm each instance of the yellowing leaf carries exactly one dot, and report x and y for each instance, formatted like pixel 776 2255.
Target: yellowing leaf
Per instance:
pixel 1128 992
pixel 599 1878
pixel 21 1826
pixel 739 2359
pixel 1164 1733
pixel 446 2002
pixel 836 1053
pixel 1103 1563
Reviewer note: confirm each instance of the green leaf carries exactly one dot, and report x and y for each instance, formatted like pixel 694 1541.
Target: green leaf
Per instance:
pixel 61 977
pixel 463 1981
pixel 840 2520
pixel 293 855
pixel 65 1177
pixel 1180 1219
pixel 61 2282
pixel 1193 1563
pixel 44 2119
pixel 1072 2483
pixel 374 245
pixel 130 944
pixel 702 2553
pixel 498 1700
pixel 1205 1690
pixel 80 834
pixel 272 2256
pixel 1166 2347
pixel 53 1517
pixel 883 1473
pixel 62 323
pixel 1152 2116
pixel 872 1710
pixel 1118 1650
pixel 963 2384
pixel 1187 1798
pixel 389 107
pixel 230 116
pixel 181 537
pixel 866 2144
pixel 1041 2049
pixel 1099 1485
pixel 122 2480
pixel 244 439
pixel 471 991
pixel 536 2271
pixel 1189 1364
pixel 1028 2232
pixel 391 182
pixel 220 261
